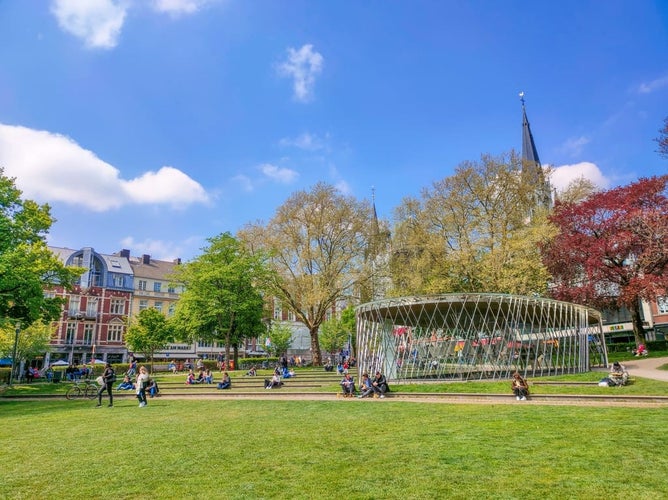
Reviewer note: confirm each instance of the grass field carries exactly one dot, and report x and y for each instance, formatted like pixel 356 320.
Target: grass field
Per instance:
pixel 330 449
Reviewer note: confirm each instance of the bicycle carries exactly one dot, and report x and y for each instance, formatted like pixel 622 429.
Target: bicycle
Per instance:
pixel 87 389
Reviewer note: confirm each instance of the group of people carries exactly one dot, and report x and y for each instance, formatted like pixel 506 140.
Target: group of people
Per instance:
pixel 142 384
pixel 369 387
pixel 204 376
pixel 275 381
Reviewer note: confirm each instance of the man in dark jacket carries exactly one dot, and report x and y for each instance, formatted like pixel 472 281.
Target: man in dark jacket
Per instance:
pixel 379 385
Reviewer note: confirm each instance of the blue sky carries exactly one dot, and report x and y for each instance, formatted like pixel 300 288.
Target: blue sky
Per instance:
pixel 154 124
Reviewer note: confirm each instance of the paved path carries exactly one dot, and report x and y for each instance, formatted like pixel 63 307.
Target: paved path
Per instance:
pixel 647 368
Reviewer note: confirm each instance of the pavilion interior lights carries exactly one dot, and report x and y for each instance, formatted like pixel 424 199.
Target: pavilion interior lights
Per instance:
pixel 477 336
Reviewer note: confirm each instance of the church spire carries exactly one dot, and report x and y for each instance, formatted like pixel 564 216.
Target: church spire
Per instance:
pixel 532 170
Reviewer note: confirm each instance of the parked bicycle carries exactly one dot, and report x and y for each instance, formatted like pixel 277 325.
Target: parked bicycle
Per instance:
pixel 83 389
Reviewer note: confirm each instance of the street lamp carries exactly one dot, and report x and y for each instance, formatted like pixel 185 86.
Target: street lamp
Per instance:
pixel 17 331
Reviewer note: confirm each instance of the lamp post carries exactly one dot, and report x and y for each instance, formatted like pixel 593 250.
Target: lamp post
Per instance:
pixel 17 331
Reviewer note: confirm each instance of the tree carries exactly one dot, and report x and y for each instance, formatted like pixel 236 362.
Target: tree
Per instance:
pixel 280 339
pixel 148 332
pixel 317 245
pixel 221 301
pixel 612 248
pixel 577 190
pixel 33 340
pixel 475 231
pixel 333 335
pixel 27 266
pixel 662 140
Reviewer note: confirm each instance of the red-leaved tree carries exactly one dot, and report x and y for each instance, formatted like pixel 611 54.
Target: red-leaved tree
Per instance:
pixel 612 248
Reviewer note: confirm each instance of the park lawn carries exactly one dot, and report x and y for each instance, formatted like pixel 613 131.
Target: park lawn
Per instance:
pixel 357 449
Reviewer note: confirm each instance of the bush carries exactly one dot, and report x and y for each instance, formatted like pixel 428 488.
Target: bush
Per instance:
pixel 657 345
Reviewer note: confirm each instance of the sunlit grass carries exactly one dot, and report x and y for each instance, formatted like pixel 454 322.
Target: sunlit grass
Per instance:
pixel 327 449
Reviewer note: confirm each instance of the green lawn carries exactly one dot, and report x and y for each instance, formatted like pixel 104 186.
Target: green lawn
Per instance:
pixel 330 449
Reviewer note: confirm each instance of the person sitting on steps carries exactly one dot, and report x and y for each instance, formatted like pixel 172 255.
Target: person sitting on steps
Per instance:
pixel 520 387
pixel 226 383
pixel 379 385
pixel 366 389
pixel 348 385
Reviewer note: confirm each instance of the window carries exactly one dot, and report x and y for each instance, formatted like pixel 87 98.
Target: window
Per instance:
pixel 117 280
pixel 662 304
pixel 70 334
pixel 172 308
pixel 291 316
pixel 158 306
pixel 156 286
pixel 91 307
pixel 115 333
pixel 88 333
pixel 142 285
pixel 143 304
pixel 171 289
pixel 117 306
pixel 278 313
pixel 75 302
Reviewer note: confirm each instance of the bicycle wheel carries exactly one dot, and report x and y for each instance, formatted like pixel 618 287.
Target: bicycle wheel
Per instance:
pixel 91 391
pixel 73 392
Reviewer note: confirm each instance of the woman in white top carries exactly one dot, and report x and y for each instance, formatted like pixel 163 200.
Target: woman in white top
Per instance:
pixel 142 384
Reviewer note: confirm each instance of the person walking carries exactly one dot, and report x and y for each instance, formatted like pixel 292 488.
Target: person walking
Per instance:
pixel 108 379
pixel 141 384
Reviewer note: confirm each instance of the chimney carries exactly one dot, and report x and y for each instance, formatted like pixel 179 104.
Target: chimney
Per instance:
pixel 177 261
pixel 146 259
pixel 125 253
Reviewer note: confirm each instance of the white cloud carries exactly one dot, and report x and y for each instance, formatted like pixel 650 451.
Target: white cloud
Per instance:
pixel 649 87
pixel 180 7
pixel 53 168
pixel 97 22
pixel 564 174
pixel 305 141
pixel 302 66
pixel 574 145
pixel 282 175
pixel 167 185
pixel 244 181
pixel 343 187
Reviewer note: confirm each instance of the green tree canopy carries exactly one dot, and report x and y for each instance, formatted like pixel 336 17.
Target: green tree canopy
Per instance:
pixel 148 332
pixel 221 301
pixel 27 266
pixel 33 340
pixel 318 244
pixel 475 231
pixel 281 339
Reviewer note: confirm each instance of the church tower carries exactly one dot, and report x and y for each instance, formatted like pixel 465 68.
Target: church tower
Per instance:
pixel 532 171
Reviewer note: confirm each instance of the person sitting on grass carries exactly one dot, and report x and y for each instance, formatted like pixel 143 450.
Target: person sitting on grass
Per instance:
pixel 273 383
pixel 126 385
pixel 208 376
pixel 252 372
pixel 520 387
pixel 348 385
pixel 379 385
pixel 366 389
pixel 226 382
pixel 618 374
pixel 640 351
pixel 191 378
pixel 152 388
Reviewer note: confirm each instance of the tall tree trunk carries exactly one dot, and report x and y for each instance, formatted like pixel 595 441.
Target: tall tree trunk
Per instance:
pixel 315 347
pixel 638 329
